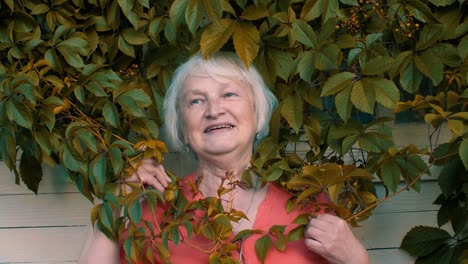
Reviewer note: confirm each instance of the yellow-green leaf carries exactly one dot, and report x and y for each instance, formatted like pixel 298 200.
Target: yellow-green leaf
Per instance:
pixel 214 9
pixel 292 111
pixel 215 36
pixel 343 103
pixel 363 97
pixel 463 152
pixel 336 83
pixel 386 92
pixel 377 65
pixel 456 126
pixel 246 41
pixel 255 12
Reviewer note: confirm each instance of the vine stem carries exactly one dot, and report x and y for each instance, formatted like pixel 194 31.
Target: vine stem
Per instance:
pixel 413 182
pixel 390 196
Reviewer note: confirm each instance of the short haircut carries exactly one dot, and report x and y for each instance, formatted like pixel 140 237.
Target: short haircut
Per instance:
pixel 221 64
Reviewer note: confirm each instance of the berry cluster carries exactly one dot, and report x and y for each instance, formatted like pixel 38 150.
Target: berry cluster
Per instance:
pixel 404 23
pixel 357 15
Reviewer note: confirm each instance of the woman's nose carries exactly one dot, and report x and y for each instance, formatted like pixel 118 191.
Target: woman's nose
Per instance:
pixel 214 108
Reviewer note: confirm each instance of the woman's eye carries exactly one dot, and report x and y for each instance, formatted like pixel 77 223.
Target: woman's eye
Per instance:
pixel 195 101
pixel 229 94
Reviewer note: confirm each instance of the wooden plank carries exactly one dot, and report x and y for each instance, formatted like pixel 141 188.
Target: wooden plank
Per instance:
pixel 409 201
pixel 60 209
pixel 390 256
pixel 387 230
pixel 53 181
pixel 41 245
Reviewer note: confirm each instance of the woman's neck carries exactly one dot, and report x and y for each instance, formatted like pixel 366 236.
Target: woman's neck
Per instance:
pixel 211 178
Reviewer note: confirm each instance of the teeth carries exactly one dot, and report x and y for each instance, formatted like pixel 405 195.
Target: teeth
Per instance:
pixel 218 127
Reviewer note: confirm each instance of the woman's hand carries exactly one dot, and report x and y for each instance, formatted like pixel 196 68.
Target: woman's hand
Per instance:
pixel 331 237
pixel 152 174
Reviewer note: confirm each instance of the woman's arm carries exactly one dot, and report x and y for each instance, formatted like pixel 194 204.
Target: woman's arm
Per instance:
pixel 101 250
pixel 98 249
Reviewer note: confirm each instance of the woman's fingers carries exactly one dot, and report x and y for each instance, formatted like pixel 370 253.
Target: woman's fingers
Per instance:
pixel 331 237
pixel 152 174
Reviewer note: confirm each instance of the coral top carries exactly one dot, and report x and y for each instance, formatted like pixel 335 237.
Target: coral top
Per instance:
pixel 270 212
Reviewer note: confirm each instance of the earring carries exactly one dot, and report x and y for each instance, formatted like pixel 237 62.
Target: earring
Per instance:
pixel 187 148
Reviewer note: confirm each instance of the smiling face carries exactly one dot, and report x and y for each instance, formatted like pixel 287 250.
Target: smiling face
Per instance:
pixel 218 116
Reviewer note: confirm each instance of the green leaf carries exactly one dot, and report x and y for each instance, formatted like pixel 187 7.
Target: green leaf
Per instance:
pixel 363 97
pixel 42 138
pixel 262 246
pixel 96 89
pixel 463 152
pixel 399 64
pixel 222 220
pixel 111 114
pixel 292 111
pixel 423 240
pixel 377 65
pixel 343 103
pixel 463 48
pixel 446 254
pixel 19 113
pixel 106 216
pixel 390 175
pixel 304 33
pixel 246 41
pixel 115 156
pixel 431 66
pixel 134 37
pixel 30 171
pixel 296 234
pixel 170 33
pixel 87 138
pixel 215 36
pixel 411 78
pixel 155 27
pixel 74 42
pixel 177 10
pixel 135 211
pixel 312 9
pixel 39 9
pixel 273 174
pixel 126 47
pixel 71 56
pixel 429 36
pixel 327 58
pixel 336 83
pixel 386 92
pixel 99 171
pixel 193 15
pixel 133 101
pixel 10 4
pixel 442 2
pixel 306 65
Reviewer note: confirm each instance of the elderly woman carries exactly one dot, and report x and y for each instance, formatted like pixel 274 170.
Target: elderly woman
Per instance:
pixel 218 109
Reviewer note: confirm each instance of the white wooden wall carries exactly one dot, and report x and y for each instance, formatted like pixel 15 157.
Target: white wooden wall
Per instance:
pixel 51 227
